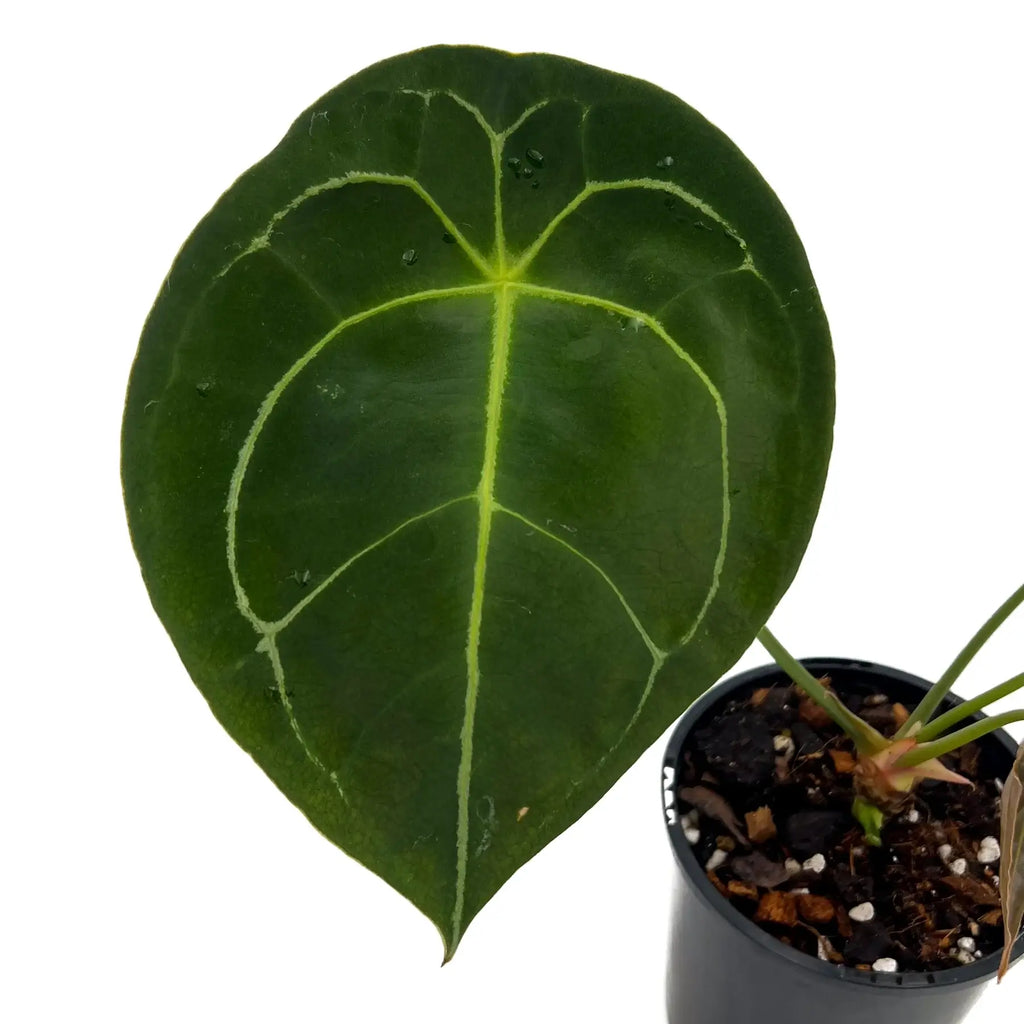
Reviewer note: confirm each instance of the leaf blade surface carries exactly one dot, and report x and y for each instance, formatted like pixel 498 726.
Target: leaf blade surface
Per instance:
pixel 476 431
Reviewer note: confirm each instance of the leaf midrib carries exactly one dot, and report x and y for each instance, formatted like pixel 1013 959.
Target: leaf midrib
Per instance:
pixel 504 281
pixel 500 343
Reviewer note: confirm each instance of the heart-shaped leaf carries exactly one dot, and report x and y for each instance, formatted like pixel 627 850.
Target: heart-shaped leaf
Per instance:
pixel 1011 846
pixel 474 432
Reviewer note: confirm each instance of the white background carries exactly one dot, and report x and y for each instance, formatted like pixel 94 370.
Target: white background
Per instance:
pixel 150 871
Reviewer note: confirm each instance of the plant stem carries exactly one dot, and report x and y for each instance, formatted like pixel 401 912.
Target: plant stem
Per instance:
pixel 939 725
pixel 934 696
pixel 866 739
pixel 936 748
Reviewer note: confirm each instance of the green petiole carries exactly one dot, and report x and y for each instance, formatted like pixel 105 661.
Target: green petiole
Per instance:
pixel 923 712
pixel 936 748
pixel 939 725
pixel 866 739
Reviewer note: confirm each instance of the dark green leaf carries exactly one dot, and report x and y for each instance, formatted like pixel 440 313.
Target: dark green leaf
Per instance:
pixel 474 432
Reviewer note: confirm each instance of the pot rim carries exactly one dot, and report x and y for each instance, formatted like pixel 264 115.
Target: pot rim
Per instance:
pixel 967 975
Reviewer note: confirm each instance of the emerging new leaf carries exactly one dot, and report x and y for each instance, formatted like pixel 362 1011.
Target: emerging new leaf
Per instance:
pixel 474 432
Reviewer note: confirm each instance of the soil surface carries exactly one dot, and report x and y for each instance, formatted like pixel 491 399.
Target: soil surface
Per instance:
pixel 764 792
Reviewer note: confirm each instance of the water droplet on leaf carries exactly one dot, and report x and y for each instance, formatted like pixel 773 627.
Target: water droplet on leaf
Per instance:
pixel 448 238
pixel 409 257
pixel 536 157
pixel 528 172
pixel 666 161
pixel 514 164
pixel 203 388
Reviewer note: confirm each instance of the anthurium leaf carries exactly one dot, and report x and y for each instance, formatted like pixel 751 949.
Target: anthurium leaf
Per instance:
pixel 1011 848
pixel 474 432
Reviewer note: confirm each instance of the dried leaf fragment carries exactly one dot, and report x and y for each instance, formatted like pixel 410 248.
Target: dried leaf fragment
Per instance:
pixel 761 871
pixel 1011 870
pixel 708 802
pixel 973 888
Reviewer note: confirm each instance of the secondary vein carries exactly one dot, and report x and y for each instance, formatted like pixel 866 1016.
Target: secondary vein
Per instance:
pixel 593 188
pixel 267 407
pixel 262 240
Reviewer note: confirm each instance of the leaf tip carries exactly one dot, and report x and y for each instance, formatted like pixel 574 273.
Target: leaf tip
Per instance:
pixel 451 943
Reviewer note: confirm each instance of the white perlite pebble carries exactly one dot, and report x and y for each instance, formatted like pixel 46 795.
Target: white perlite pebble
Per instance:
pixel 913 816
pixel 964 957
pixel 716 860
pixel 945 852
pixel 815 864
pixel 989 850
pixel 967 943
pixel 800 892
pixel 783 744
pixel 792 866
pixel 692 817
pixel 862 912
pixel 959 866
pixel 692 835
pixel 885 965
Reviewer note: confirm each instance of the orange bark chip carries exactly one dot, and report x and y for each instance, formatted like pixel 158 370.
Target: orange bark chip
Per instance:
pixel 814 714
pixel 717 883
pixel 843 761
pixel 738 888
pixel 816 909
pixel 760 825
pixel 777 907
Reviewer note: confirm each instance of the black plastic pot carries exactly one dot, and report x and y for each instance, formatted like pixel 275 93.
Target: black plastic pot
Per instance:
pixel 723 969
